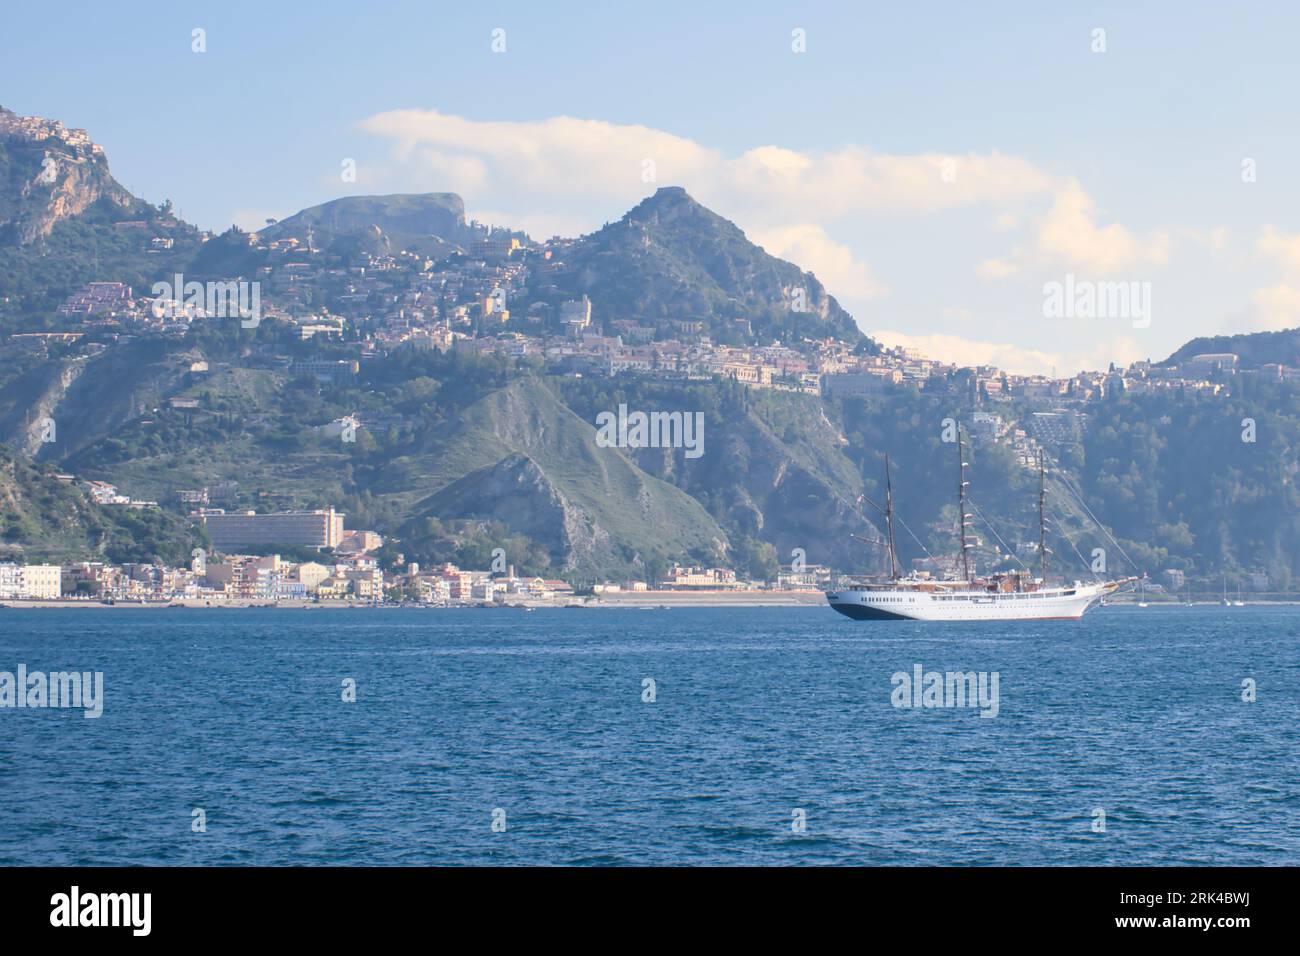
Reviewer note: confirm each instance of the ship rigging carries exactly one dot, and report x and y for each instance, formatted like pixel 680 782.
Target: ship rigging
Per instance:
pixel 1003 595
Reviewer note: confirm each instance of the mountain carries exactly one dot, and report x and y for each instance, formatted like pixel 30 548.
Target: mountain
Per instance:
pixel 49 173
pixel 669 263
pixel 468 448
pixel 1254 348
pixel 460 454
pixel 65 221
pixel 429 223
pixel 670 260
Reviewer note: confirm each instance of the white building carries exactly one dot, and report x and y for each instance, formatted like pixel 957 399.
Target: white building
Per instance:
pixel 30 582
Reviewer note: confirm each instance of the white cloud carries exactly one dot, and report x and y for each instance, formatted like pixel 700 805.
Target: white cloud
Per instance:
pixel 1068 236
pixel 1277 306
pixel 831 261
pixel 1282 248
pixel 854 179
pixel 564 157
pixel 966 352
pixel 560 156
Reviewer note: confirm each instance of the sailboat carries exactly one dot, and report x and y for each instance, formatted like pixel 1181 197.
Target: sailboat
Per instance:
pixel 1239 602
pixel 1225 602
pixel 1002 596
pixel 1142 593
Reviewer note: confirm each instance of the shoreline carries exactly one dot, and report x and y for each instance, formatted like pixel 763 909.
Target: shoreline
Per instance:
pixel 633 600
pixel 630 600
pixel 720 598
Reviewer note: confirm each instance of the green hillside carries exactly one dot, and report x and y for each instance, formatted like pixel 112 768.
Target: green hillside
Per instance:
pixel 524 458
pixel 434 433
pixel 1254 348
pixel 774 473
pixel 45 519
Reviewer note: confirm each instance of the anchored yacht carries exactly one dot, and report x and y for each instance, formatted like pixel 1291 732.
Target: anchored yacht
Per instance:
pixel 1004 596
pixel 1000 597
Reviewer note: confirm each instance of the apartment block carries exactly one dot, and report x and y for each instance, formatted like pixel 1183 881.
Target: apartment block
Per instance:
pixel 312 529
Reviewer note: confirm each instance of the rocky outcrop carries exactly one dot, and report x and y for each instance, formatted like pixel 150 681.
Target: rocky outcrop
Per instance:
pixel 48 173
pixel 432 223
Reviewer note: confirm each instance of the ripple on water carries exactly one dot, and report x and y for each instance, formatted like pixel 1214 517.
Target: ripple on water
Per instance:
pixel 757 712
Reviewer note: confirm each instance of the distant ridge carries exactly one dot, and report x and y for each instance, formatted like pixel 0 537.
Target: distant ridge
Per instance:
pixel 422 222
pixel 1253 348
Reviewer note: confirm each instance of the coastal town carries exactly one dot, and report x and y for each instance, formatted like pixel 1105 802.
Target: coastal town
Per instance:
pixel 347 573
pixel 356 579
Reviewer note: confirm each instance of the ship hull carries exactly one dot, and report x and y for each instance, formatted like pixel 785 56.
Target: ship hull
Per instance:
pixel 873 604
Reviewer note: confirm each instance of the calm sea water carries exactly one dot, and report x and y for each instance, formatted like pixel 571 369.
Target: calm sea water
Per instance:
pixel 758 713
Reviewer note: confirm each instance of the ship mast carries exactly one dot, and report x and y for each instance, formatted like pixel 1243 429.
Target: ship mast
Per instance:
pixel 1042 516
pixel 889 521
pixel 963 517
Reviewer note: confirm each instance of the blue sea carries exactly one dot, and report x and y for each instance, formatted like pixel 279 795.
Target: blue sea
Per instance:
pixel 528 738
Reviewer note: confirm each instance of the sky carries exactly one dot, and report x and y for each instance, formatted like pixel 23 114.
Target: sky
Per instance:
pixel 1040 188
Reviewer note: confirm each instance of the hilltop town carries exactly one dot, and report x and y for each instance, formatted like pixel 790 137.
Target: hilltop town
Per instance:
pixel 477 303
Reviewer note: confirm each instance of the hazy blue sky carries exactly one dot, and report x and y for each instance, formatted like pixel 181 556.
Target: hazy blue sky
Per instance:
pixel 935 165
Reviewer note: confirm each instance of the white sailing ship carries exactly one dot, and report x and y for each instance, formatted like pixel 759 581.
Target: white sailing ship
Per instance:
pixel 1004 596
